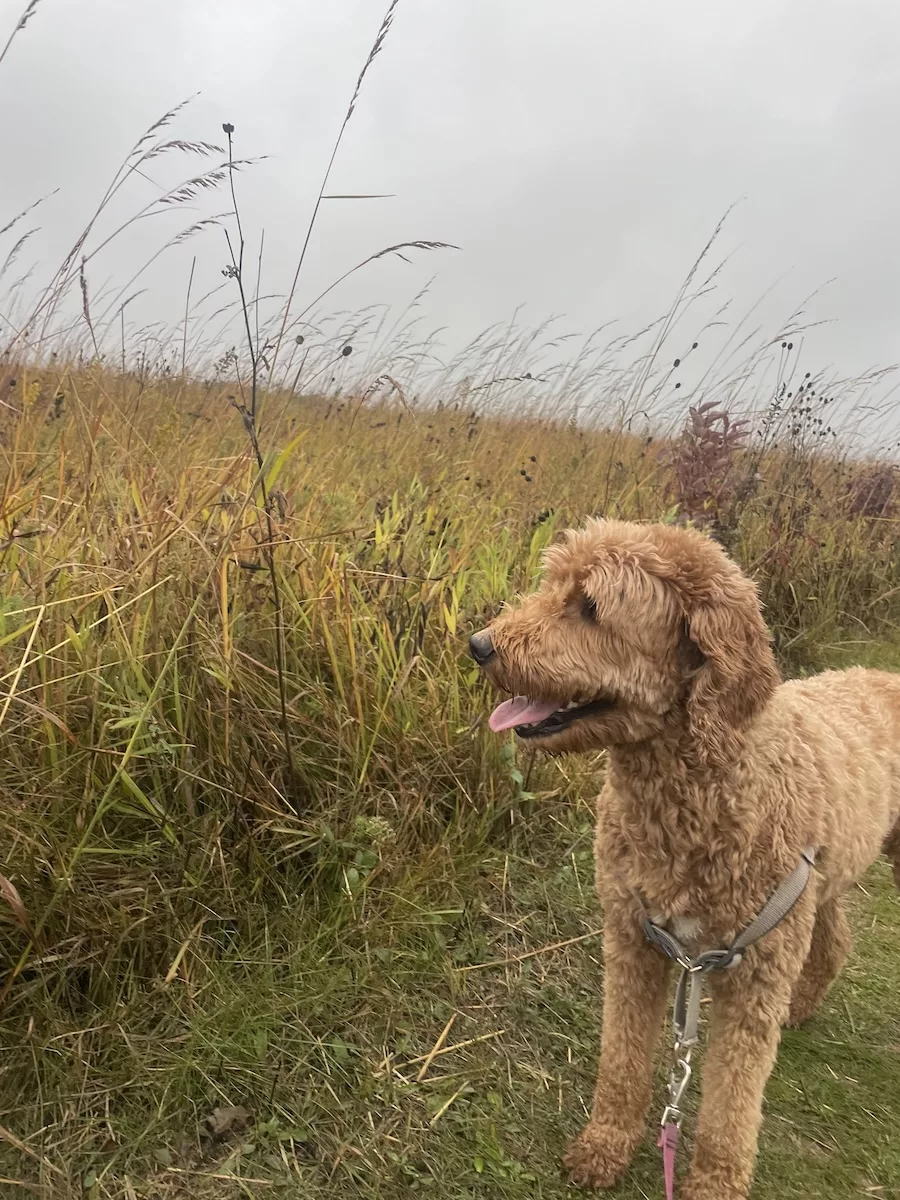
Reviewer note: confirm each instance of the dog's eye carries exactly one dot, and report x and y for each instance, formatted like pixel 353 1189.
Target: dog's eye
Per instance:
pixel 588 608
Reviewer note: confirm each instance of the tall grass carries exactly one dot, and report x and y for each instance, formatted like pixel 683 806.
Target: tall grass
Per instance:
pixel 147 796
pixel 139 648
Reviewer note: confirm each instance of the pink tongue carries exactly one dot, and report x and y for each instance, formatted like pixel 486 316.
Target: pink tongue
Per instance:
pixel 519 711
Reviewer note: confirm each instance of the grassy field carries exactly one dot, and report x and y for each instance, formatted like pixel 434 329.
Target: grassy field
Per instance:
pixel 369 929
pixel 278 916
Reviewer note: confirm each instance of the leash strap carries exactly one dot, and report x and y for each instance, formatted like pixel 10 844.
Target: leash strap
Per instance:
pixel 686 1013
pixel 668 1143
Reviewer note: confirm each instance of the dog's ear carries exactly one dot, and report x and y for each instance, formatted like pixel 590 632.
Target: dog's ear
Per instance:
pixel 737 675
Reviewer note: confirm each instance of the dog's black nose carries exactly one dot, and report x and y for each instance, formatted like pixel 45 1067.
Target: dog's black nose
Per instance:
pixel 481 647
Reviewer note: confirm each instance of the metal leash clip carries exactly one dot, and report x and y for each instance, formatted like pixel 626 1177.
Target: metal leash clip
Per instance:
pixel 678 1085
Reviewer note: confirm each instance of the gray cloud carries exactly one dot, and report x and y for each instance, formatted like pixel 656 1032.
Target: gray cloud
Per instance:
pixel 580 154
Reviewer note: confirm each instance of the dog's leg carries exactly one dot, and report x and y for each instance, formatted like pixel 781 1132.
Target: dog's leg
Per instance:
pixel 634 1000
pixel 831 942
pixel 750 1003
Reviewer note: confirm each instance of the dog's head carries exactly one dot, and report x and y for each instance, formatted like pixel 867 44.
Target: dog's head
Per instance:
pixel 635 630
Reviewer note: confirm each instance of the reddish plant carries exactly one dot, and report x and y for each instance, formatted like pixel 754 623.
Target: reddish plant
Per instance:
pixel 703 463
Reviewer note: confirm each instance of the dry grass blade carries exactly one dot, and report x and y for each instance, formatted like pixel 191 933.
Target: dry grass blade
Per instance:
pixel 19 26
pixel 444 1108
pixel 192 188
pixel 388 250
pixel 85 305
pixel 16 251
pixel 435 1049
pixel 166 119
pixel 214 222
pixel 455 1047
pixel 8 1136
pixel 172 972
pixel 377 46
pixel 25 211
pixel 420 244
pixel 23 662
pixel 243 1181
pixel 517 958
pixel 10 894
pixel 182 146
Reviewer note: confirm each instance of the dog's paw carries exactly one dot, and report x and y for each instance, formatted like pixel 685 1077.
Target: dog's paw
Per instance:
pixel 599 1156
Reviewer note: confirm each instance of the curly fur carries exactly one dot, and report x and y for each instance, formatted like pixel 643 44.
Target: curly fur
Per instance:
pixel 719 775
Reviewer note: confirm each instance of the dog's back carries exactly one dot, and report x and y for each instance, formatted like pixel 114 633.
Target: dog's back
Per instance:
pixel 838 734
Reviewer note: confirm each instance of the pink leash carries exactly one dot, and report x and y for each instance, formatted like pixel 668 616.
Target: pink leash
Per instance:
pixel 668 1141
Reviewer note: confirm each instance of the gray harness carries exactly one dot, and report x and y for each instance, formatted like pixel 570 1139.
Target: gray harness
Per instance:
pixel 686 1013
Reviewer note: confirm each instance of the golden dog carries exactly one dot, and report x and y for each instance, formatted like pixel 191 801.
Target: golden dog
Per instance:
pixel 649 642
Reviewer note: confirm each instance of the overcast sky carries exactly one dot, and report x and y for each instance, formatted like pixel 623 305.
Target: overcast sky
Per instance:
pixel 579 153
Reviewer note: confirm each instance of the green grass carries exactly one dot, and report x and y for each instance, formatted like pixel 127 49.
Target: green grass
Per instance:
pixel 203 925
pixel 318 1018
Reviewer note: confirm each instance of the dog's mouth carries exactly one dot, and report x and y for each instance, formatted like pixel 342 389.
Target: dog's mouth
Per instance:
pixel 537 718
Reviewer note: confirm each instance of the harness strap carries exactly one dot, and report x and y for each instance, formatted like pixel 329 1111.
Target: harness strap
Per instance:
pixel 779 903
pixel 688 994
pixel 770 915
